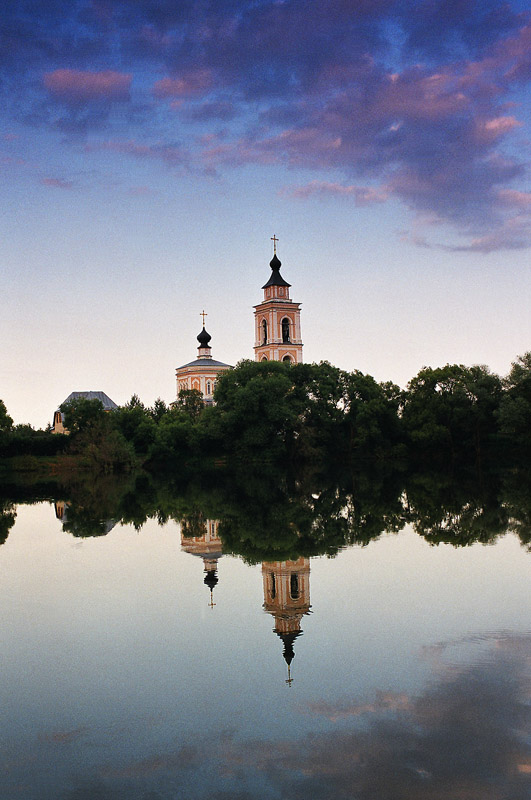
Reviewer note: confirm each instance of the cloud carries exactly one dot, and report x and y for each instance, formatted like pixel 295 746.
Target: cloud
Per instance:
pixel 79 88
pixel 362 195
pixel 423 105
pixel 383 702
pixel 64 737
pixel 216 110
pixel 58 183
pixel 171 154
pixel 194 82
pixel 140 191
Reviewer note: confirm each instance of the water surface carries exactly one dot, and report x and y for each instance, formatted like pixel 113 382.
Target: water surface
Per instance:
pixel 395 670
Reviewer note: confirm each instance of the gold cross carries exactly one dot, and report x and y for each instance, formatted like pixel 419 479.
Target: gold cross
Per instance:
pixel 290 679
pixel 274 240
pixel 203 314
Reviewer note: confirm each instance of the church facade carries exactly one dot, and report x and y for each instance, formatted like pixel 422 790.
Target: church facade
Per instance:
pixel 202 373
pixel 277 327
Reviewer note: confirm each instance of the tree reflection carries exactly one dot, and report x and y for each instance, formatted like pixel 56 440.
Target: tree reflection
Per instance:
pixel 270 516
pixel 7 519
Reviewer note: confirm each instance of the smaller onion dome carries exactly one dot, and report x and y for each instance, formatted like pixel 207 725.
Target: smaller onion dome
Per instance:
pixel 204 338
pixel 211 579
pixel 275 263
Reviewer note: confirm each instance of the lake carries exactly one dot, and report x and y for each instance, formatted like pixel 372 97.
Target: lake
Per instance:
pixel 149 663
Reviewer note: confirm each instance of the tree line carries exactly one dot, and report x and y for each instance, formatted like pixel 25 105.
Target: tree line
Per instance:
pixel 305 415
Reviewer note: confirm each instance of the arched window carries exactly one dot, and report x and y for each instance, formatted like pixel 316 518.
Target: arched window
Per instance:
pixel 287 359
pixel 294 586
pixel 264 331
pixel 264 358
pixel 285 329
pixel 209 387
pixel 273 586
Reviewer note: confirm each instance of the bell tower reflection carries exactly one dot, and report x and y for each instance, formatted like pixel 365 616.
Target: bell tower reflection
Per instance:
pixel 199 537
pixel 287 598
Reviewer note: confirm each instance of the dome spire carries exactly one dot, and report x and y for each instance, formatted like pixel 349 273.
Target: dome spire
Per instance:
pixel 204 339
pixel 276 278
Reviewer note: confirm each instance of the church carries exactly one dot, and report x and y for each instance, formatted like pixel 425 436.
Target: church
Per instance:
pixel 277 325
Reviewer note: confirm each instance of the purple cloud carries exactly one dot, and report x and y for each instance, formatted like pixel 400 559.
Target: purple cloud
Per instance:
pixel 362 195
pixel 80 87
pixel 58 183
pixel 421 106
pixel 170 154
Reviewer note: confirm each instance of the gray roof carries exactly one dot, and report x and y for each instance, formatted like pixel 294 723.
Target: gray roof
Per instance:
pixel 104 399
pixel 205 362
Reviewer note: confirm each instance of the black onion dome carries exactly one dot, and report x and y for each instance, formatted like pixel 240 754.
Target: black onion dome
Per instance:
pixel 288 640
pixel 275 263
pixel 211 579
pixel 204 338
pixel 276 278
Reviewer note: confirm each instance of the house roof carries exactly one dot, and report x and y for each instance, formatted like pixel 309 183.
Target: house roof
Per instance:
pixel 104 399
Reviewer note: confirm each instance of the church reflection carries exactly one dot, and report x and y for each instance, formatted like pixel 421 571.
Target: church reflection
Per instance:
pixel 287 599
pixel 286 584
pixel 199 537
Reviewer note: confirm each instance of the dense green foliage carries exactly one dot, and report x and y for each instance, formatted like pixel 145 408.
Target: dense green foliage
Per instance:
pixel 282 414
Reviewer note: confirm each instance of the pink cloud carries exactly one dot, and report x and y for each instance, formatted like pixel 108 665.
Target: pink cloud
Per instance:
pixel 516 199
pixel 194 82
pixel 385 701
pixel 58 183
pixel 492 129
pixel 362 195
pixel 77 87
pixel 140 191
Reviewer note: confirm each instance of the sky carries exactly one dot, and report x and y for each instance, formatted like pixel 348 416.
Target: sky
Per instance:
pixel 150 150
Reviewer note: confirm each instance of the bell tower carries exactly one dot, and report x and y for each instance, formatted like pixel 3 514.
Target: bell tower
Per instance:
pixel 277 319
pixel 287 599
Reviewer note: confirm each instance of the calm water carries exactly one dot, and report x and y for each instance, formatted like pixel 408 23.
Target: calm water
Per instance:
pixel 397 670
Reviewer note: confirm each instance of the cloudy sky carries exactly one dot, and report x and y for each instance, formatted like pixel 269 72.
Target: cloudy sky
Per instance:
pixel 150 149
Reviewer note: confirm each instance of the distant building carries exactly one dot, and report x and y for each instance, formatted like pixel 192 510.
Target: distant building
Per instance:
pixel 277 320
pixel 59 419
pixel 202 373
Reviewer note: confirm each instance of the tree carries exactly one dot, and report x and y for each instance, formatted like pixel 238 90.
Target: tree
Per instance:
pixel 159 410
pixel 450 412
pixel 81 413
pixel 515 407
pixel 191 402
pixel 6 422
pixel 135 422
pixel 257 409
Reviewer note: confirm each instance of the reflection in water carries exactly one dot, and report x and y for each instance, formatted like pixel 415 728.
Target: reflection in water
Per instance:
pixel 269 518
pixel 109 691
pixel 81 522
pixel 287 599
pixel 463 738
pixel 200 537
